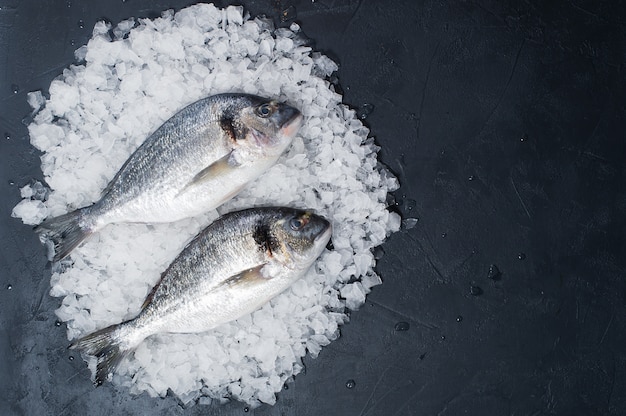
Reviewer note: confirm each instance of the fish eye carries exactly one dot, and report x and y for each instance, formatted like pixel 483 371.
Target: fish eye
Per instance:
pixel 297 224
pixel 264 110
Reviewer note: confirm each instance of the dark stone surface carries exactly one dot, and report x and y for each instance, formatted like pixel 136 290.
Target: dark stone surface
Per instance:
pixel 505 124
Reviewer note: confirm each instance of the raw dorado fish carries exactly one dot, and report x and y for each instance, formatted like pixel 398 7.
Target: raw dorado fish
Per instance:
pixel 231 268
pixel 197 160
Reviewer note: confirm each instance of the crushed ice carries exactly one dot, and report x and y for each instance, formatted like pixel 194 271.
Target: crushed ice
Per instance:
pixel 98 113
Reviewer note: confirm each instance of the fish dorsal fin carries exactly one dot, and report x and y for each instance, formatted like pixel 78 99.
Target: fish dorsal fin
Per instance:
pixel 221 166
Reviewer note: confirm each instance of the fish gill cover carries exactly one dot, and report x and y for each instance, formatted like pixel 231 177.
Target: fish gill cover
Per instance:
pixel 129 80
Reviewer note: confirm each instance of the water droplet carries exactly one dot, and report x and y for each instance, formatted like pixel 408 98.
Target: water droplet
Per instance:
pixel 443 337
pixel 475 290
pixel 378 252
pixel 81 24
pixel 409 223
pixel 459 318
pixel 71 358
pixel 7 136
pixel 57 323
pixel 69 4
pixel 364 111
pixel 9 287
pixel 72 42
pixel 470 178
pixel 494 272
pixel 246 409
pixel 285 387
pixel 443 235
pixel 521 256
pixel 11 182
pixel 15 88
pixel 350 384
pixel 524 138
pixel 410 204
pixel 288 14
pixel 402 326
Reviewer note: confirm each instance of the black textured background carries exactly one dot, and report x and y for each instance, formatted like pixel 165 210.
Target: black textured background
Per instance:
pixel 505 123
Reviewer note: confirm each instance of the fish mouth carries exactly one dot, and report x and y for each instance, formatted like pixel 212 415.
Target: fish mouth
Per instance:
pixel 291 126
pixel 324 236
pixel 288 129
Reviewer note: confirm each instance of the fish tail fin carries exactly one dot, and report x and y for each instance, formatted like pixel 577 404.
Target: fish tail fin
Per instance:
pixel 106 347
pixel 63 233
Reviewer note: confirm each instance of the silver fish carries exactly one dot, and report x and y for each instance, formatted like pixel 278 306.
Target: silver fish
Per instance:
pixel 197 160
pixel 237 264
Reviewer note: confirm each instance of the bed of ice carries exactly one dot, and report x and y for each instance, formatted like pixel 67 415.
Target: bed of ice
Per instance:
pixel 128 80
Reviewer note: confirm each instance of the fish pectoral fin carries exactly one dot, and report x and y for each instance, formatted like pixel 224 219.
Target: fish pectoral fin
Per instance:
pixel 250 276
pixel 221 166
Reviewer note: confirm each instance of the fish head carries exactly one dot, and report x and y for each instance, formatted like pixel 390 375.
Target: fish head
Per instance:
pixel 302 236
pixel 262 126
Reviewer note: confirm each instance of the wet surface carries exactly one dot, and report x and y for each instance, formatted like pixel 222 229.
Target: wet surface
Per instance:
pixel 505 125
